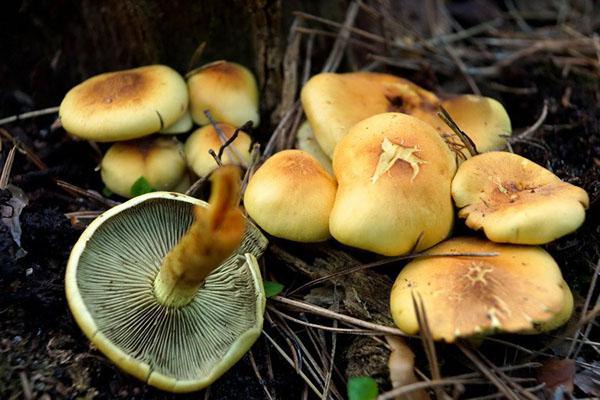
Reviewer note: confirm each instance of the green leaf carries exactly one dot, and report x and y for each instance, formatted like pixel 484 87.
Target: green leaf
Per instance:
pixel 106 192
pixel 141 186
pixel 362 388
pixel 272 288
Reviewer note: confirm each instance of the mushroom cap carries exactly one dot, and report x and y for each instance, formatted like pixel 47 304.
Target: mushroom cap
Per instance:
pixel 109 287
pixel 306 141
pixel 519 290
pixel 159 160
pixel 333 103
pixel 125 104
pixel 483 119
pixel 290 196
pixel 394 173
pixel 206 138
pixel 515 200
pixel 182 125
pixel 228 90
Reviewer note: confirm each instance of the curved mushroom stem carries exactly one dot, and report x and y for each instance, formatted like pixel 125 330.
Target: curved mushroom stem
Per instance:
pixel 216 232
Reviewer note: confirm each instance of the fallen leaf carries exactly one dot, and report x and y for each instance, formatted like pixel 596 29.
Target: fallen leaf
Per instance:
pixel 362 388
pixel 272 288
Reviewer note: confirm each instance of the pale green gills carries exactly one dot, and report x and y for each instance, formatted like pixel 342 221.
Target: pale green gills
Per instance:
pixel 115 276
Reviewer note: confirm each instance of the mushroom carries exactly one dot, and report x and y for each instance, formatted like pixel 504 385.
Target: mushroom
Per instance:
pixel 182 125
pixel 483 119
pixel 159 160
pixel 290 196
pixel 520 290
pixel 228 90
pixel 394 173
pixel 333 103
pixel 206 138
pixel 515 200
pixel 306 141
pixel 125 104
pixel 154 285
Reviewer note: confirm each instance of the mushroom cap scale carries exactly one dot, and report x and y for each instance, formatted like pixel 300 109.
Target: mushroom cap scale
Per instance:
pixel 519 290
pixel 124 105
pixel 109 286
pixel 515 200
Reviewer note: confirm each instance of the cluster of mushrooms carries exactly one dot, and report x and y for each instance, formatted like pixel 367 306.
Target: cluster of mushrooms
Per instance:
pixel 165 285
pixel 168 286
pixel 383 172
pixel 143 108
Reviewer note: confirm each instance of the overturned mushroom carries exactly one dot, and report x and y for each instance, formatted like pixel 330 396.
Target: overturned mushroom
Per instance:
pixel 521 290
pixel 154 285
pixel 125 104
pixel 515 200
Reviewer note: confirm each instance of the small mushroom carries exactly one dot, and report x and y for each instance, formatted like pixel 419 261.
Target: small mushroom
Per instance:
pixel 228 90
pixel 483 119
pixel 515 200
pixel 306 141
pixel 182 125
pixel 290 196
pixel 154 285
pixel 206 138
pixel 159 160
pixel 125 104
pixel 394 173
pixel 520 290
pixel 333 103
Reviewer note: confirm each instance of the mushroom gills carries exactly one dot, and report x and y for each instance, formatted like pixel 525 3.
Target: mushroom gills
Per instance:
pixel 110 291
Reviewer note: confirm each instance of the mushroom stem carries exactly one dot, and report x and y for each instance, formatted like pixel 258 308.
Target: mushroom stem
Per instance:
pixel 216 232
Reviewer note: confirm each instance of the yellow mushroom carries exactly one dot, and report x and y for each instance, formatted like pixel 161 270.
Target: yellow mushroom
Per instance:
pixel 483 119
pixel 394 174
pixel 159 160
pixel 515 200
pixel 306 141
pixel 290 196
pixel 206 138
pixel 125 104
pixel 333 103
pixel 520 289
pixel 228 90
